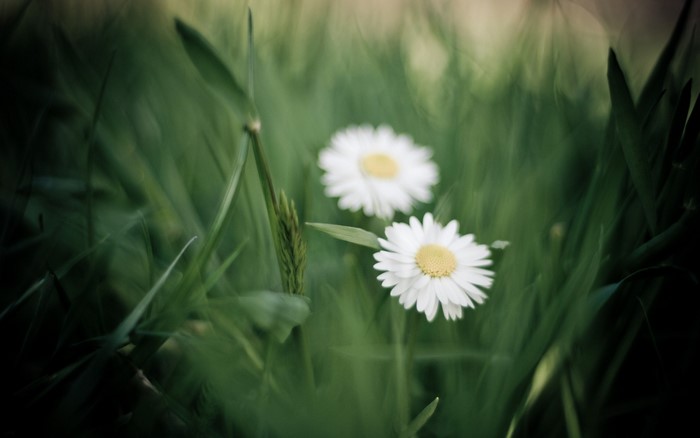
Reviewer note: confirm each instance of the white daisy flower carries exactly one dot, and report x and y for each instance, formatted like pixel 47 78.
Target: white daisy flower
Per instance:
pixel 429 265
pixel 377 171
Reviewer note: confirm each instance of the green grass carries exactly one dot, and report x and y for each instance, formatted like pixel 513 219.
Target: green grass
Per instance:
pixel 126 138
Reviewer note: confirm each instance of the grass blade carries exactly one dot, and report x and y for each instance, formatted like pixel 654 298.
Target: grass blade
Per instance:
pixel 144 350
pixel 84 386
pixel 354 235
pixel 127 325
pixel 630 136
pixel 675 131
pixel 251 58
pixel 417 423
pixel 214 71
pixel 63 270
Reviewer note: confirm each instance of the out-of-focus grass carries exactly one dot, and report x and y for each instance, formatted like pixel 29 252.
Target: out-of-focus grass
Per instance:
pixel 589 328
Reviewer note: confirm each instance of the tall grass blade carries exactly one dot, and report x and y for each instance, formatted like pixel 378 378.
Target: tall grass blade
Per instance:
pixel 675 131
pixel 251 57
pixel 60 272
pixel 630 136
pixel 421 419
pixel 214 71
pixel 122 331
pixel 219 272
pixel 84 386
pixel 145 349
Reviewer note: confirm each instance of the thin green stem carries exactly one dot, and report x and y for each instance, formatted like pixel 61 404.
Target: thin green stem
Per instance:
pixel 403 405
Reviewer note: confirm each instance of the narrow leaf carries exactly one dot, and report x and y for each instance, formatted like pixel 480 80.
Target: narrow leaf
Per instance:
pixel 251 57
pixel 602 295
pixel 84 386
pixel 629 134
pixel 663 244
pixel 354 235
pixel 127 325
pixel 214 70
pixel 690 135
pixel 60 272
pixel 675 131
pixel 417 423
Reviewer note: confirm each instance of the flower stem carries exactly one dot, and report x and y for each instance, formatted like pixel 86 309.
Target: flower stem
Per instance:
pixel 403 403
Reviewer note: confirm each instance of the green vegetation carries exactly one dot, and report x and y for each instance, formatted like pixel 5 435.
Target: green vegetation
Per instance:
pixel 169 264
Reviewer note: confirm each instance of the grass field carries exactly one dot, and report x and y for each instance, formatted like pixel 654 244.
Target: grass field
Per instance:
pixel 162 267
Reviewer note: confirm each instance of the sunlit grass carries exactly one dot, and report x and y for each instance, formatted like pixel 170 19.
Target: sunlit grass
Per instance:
pixel 123 142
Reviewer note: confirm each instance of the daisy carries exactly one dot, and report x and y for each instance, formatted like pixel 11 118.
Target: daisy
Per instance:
pixel 429 265
pixel 377 170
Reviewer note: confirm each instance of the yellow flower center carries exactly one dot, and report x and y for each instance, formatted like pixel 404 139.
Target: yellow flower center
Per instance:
pixel 380 166
pixel 436 260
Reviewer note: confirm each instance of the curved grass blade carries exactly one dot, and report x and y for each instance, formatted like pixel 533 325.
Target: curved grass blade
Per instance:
pixel 214 71
pixel 218 226
pixel 216 275
pixel 144 350
pixel 663 244
pixel 630 136
pixel 84 386
pixel 63 270
pixel 354 235
pixel 602 295
pixel 417 423
pixel 122 331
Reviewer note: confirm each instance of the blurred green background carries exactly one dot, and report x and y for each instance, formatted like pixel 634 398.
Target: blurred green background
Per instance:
pixel 116 151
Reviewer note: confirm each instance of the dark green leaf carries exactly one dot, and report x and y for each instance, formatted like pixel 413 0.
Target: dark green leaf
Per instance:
pixel 120 334
pixel 275 312
pixel 83 387
pixel 354 235
pixel 662 245
pixel 629 134
pixel 675 131
pixel 417 423
pixel 214 71
pixel 602 295
pixel 690 135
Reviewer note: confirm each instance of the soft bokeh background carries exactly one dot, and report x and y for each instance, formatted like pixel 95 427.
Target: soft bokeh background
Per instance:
pixel 116 152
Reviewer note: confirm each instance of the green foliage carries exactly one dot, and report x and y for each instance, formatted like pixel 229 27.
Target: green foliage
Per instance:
pixel 132 133
pixel 354 235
